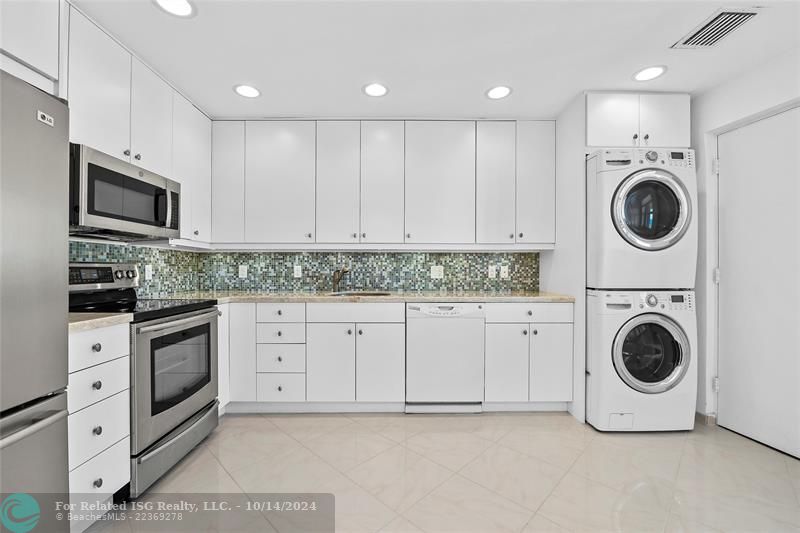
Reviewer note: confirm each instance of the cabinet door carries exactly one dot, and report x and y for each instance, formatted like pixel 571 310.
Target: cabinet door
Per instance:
pixel 551 363
pixel 507 347
pixel 279 176
pixel 536 182
pixel 664 120
pixel 191 161
pixel 380 362
pixel 227 181
pixel 29 32
pixel 495 171
pixel 99 89
pixel 338 161
pixel 382 178
pixel 331 363
pixel 223 355
pixel 612 119
pixel 440 182
pixel 242 346
pixel 151 120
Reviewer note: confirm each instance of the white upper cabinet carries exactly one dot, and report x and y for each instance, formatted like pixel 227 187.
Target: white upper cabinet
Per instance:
pixel 440 182
pixel 29 32
pixel 338 161
pixel 536 182
pixel 279 176
pixel 151 120
pixel 495 172
pixel 227 181
pixel 382 175
pixel 99 89
pixel 191 166
pixel 630 119
pixel 664 120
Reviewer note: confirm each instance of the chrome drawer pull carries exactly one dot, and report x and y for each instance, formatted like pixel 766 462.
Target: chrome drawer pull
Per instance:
pixel 98 483
pixel 98 430
pixel 97 347
pixel 97 385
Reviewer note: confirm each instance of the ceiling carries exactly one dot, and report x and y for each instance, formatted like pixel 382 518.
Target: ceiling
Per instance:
pixel 311 58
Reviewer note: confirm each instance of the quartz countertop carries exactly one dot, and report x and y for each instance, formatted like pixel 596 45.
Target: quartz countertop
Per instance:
pixel 88 321
pixel 224 297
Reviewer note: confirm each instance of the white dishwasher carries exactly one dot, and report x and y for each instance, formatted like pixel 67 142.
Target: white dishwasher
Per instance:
pixel 444 357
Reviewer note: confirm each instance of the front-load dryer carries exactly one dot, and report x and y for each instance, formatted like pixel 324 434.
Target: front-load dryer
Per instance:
pixel 641 360
pixel 641 219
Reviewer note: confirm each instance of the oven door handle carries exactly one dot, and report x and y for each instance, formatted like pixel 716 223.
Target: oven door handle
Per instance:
pixel 177 323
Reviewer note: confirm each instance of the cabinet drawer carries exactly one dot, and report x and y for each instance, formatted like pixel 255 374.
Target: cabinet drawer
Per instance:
pixel 529 312
pixel 356 312
pixel 281 387
pixel 111 470
pixel 281 312
pixel 281 358
pixel 110 418
pixel 88 348
pixel 280 333
pixel 96 383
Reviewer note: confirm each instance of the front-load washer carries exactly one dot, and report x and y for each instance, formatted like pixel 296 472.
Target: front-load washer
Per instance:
pixel 641 219
pixel 641 360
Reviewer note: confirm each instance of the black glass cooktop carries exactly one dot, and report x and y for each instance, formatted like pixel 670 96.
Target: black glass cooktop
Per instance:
pixel 125 301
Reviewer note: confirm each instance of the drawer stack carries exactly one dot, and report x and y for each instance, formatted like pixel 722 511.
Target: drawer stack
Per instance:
pixel 281 352
pixel 98 401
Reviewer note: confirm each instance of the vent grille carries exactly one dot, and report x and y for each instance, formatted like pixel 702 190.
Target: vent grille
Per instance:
pixel 715 28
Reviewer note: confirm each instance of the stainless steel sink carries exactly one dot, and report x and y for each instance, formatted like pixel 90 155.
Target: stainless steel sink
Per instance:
pixel 360 293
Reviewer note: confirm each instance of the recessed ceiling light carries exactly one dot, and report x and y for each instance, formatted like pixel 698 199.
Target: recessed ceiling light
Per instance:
pixel 375 89
pixel 179 8
pixel 650 73
pixel 496 93
pixel 247 91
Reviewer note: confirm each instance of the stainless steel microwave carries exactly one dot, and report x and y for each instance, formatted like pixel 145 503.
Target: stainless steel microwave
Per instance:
pixel 112 199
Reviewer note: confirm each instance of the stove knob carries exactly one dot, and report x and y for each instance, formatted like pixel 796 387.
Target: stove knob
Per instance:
pixel 651 156
pixel 119 274
pixel 651 300
pixel 130 274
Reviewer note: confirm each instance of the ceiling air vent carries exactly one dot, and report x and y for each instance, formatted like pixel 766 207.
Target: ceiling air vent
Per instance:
pixel 715 28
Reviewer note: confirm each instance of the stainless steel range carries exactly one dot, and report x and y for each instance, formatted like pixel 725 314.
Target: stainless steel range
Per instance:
pixel 173 365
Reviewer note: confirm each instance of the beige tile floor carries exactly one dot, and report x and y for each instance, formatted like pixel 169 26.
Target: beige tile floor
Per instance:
pixel 499 472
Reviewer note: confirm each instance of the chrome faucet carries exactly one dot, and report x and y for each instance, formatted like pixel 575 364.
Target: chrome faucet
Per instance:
pixel 337 277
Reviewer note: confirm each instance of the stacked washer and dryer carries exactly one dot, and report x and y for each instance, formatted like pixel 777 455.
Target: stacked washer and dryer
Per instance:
pixel 641 330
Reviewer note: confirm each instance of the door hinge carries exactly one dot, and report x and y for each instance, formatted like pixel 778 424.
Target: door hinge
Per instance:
pixel 715 166
pixel 715 384
pixel 715 276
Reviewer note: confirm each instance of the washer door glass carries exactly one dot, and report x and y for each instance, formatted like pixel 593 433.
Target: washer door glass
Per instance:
pixel 651 353
pixel 651 209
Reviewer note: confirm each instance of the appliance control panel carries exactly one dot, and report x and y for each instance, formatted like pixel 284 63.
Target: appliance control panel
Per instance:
pixel 96 276
pixel 665 157
pixel 672 301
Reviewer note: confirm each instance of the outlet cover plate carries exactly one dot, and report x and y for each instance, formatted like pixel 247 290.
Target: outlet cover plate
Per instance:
pixel 242 271
pixel 492 271
pixel 504 272
pixel 437 272
pixel 148 272
pixel 298 271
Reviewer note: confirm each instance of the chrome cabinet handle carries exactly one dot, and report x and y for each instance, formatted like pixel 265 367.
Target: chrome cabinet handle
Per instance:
pixel 280 333
pixel 96 347
pixel 280 312
pixel 355 235
pixel 98 430
pixel 363 235
pixel 349 331
pixel 511 236
pixel 308 235
pixel 536 332
pixel 97 385
pixel 635 136
pixel 530 313
pixel 520 234
pixel 196 232
pixel 98 483
pixel 646 137
pixel 524 331
pixel 138 157
pixel 127 152
pixel 361 332
pixel 280 389
pixel 280 359
pixel 408 235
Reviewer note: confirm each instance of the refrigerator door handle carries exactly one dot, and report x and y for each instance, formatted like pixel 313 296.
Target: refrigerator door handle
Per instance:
pixel 33 428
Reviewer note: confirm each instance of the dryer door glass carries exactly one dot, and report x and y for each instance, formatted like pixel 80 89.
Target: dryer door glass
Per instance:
pixel 651 353
pixel 651 209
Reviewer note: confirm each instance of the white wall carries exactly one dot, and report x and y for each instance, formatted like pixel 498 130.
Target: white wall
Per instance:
pixel 770 88
pixel 564 269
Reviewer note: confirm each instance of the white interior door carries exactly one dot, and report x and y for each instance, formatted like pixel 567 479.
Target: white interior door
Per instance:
pixel 759 261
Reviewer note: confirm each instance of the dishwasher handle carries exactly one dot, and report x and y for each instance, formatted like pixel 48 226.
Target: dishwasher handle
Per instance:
pixel 445 310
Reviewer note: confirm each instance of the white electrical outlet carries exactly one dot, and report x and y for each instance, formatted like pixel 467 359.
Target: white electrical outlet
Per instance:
pixel 242 271
pixel 148 272
pixel 437 272
pixel 298 271
pixel 492 271
pixel 504 272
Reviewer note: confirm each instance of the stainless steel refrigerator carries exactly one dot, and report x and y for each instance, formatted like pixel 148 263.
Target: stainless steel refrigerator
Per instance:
pixel 34 181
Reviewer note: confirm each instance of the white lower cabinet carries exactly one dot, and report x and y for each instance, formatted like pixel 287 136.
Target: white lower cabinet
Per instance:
pixel 380 362
pixel 281 387
pixel 242 346
pixel 507 349
pixel 223 356
pixel 94 482
pixel 551 363
pixel 331 363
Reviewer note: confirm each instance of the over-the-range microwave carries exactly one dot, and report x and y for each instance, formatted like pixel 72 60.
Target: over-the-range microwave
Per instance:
pixel 112 199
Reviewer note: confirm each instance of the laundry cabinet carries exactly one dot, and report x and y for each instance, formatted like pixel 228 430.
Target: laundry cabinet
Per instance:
pixel 638 119
pixel 529 351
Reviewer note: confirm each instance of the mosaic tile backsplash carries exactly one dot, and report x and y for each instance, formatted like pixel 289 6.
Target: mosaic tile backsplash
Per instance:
pixel 177 271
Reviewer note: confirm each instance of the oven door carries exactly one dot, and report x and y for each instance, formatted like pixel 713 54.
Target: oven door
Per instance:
pixel 174 370
pixel 116 196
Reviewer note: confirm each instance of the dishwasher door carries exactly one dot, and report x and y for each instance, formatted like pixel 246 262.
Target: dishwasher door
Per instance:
pixel 444 353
